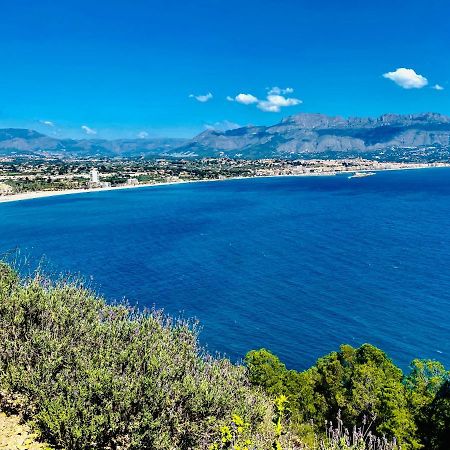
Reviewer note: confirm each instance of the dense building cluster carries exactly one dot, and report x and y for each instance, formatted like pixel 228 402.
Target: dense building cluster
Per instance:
pixel 30 173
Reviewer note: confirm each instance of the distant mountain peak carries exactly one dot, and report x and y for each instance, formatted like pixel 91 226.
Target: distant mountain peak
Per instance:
pixel 314 133
pixel 300 135
pixel 420 117
pixel 314 120
pixel 19 133
pixel 323 121
pixel 25 141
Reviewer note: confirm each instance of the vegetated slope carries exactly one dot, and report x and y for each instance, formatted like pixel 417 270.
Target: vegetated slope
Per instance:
pixel 88 375
pixel 97 376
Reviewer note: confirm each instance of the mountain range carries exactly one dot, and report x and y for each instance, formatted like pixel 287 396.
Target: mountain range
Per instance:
pixel 302 135
pixel 23 141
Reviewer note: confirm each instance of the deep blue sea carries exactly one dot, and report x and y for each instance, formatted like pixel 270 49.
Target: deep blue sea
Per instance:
pixel 298 265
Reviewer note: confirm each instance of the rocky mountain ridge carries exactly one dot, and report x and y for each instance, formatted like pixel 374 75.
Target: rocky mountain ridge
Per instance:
pixel 23 141
pixel 305 134
pixel 299 136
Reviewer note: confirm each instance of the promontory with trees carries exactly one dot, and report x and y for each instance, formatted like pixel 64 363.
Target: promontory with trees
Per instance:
pixel 85 374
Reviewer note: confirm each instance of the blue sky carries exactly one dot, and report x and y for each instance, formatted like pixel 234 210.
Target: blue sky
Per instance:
pixel 126 68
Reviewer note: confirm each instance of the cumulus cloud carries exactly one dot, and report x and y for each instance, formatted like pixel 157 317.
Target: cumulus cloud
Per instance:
pixel 438 87
pixel 246 99
pixel 407 78
pixel 202 98
pixel 88 130
pixel 277 90
pixel 266 106
pixel 49 123
pixel 222 126
pixel 279 100
pixel 274 101
pixel 143 135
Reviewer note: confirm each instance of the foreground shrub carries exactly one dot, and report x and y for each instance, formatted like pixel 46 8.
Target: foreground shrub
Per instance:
pixel 236 436
pixel 340 438
pixel 93 376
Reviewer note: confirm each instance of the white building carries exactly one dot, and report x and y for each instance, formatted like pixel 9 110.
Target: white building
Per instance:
pixel 94 180
pixel 94 176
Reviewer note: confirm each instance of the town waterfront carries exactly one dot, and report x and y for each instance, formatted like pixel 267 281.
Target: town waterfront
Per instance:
pixel 298 265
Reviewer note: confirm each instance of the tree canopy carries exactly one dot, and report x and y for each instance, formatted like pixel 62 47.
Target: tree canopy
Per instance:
pixel 362 385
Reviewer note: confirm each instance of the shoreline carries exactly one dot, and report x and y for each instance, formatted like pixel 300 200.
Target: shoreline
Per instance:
pixel 45 194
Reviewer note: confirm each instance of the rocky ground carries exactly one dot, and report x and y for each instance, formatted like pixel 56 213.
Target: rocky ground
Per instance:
pixel 17 436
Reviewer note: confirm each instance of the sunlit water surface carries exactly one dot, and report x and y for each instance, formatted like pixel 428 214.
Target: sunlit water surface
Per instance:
pixel 298 265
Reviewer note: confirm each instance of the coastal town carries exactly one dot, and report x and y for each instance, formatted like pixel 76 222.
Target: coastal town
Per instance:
pixel 27 176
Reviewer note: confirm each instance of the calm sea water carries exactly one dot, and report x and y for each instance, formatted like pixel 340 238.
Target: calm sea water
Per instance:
pixel 296 265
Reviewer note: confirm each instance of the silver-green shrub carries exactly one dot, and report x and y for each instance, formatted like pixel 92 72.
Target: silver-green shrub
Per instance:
pixel 95 376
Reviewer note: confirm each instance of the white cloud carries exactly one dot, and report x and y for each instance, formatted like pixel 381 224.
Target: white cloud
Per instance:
pixel 438 87
pixel 222 126
pixel 266 106
pixel 143 135
pixel 407 78
pixel 88 130
pixel 279 100
pixel 277 90
pixel 246 99
pixel 274 103
pixel 202 98
pixel 49 123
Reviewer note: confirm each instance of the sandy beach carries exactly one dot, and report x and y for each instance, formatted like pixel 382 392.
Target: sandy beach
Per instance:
pixel 43 194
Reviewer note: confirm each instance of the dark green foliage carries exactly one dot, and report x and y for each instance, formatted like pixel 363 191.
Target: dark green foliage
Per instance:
pixel 97 376
pixel 8 278
pixel 364 382
pixel 265 369
pixel 438 436
pixel 359 383
pixel 428 386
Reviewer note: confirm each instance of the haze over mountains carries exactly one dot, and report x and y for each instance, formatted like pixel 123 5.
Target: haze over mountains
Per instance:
pixel 299 136
pixel 23 141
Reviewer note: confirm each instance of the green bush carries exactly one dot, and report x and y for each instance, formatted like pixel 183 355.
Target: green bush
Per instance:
pixel 356 384
pixel 89 375
pixel 438 436
pixel 429 388
pixel 94 376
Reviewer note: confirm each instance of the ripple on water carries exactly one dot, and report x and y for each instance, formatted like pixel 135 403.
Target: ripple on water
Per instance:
pixel 297 265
